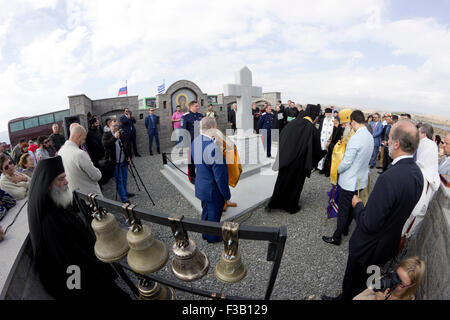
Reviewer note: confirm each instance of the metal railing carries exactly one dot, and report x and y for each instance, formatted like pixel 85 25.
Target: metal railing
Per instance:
pixel 275 236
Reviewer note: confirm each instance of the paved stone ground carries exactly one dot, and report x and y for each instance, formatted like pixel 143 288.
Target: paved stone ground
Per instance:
pixel 309 267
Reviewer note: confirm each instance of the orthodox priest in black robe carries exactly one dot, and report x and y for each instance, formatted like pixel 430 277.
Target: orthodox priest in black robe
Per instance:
pixel 299 153
pixel 61 238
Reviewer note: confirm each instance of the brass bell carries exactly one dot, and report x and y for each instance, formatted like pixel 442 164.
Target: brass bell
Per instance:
pixel 152 290
pixel 111 244
pixel 189 263
pixel 146 254
pixel 230 268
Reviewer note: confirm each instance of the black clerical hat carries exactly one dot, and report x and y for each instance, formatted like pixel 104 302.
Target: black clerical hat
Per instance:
pixel 43 175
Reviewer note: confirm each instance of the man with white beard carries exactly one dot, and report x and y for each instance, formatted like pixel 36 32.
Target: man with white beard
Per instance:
pixel 62 241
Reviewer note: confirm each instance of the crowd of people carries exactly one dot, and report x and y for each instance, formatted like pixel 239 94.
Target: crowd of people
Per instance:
pixel 343 145
pixel 88 156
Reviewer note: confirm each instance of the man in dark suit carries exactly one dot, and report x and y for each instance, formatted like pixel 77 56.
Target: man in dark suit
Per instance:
pixel 127 122
pixel 211 183
pixel 376 238
pixel 377 131
pixel 232 120
pixel 151 123
pixel 190 123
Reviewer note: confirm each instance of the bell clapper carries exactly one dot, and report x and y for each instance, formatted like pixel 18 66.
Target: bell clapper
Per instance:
pixel 230 268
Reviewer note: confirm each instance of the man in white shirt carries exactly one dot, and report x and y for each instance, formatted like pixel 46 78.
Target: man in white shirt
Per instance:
pixel 428 162
pixel 80 171
pixel 427 156
pixel 353 174
pixel 444 165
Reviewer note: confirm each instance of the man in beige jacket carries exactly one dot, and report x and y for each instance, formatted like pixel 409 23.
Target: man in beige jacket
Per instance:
pixel 80 171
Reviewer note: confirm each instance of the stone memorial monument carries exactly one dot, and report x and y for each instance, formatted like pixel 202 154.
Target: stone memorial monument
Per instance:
pixel 249 144
pixel 257 179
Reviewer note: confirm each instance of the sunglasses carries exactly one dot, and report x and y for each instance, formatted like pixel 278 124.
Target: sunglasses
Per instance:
pixel 9 164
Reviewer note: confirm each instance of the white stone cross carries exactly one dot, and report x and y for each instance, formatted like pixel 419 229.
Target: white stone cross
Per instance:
pixel 244 92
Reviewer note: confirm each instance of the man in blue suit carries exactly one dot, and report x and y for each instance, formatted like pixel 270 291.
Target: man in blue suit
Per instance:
pixel 353 174
pixel 266 122
pixel 377 132
pixel 127 122
pixel 151 123
pixel 211 182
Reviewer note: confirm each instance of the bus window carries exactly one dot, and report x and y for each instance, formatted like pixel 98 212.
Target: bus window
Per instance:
pixel 46 119
pixel 59 116
pixel 31 123
pixel 16 126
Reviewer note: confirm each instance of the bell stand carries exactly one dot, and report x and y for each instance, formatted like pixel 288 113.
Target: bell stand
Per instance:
pixel 275 236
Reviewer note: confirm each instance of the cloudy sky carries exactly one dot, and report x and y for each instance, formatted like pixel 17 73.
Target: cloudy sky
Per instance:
pixel 379 54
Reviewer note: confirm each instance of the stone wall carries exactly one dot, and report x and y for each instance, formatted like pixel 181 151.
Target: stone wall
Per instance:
pixel 113 107
pixel 432 245
pixel 110 108
pixel 80 104
pixel 103 107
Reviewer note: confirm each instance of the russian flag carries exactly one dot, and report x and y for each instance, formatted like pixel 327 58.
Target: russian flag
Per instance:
pixel 123 91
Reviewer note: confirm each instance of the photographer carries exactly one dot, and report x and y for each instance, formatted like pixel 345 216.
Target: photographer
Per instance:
pixel 399 285
pixel 118 151
pixel 127 122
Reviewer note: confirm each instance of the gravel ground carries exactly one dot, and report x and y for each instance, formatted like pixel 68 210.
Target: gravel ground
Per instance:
pixel 309 267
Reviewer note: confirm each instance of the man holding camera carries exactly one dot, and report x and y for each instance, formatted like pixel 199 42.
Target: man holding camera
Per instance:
pixel 127 122
pixel 118 151
pixel 379 224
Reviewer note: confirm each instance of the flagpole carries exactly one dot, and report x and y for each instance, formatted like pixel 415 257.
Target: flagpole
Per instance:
pixel 126 86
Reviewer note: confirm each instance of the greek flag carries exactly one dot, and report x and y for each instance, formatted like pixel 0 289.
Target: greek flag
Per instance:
pixel 161 88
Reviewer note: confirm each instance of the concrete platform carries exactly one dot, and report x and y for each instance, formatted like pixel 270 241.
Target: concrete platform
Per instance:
pixel 14 241
pixel 254 187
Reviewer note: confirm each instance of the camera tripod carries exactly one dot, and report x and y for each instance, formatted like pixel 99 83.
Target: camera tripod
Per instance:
pixel 132 169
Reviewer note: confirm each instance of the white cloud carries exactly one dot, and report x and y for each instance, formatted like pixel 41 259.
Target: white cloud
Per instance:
pixel 300 48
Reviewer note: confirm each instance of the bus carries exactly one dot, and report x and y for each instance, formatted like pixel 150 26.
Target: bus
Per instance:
pixel 146 103
pixel 31 128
